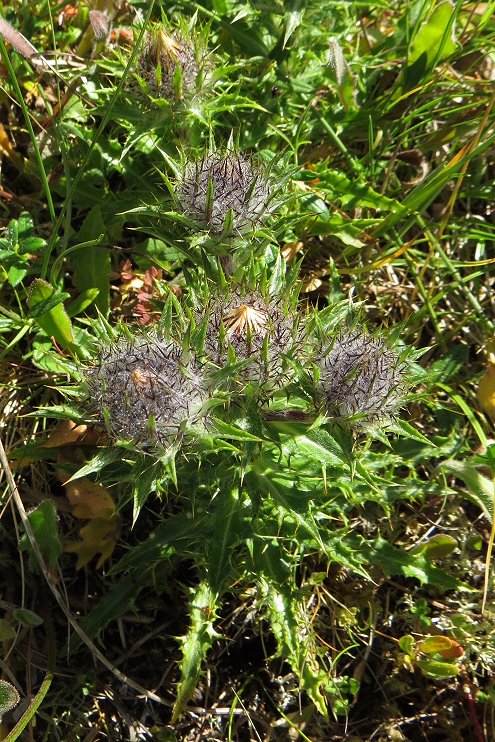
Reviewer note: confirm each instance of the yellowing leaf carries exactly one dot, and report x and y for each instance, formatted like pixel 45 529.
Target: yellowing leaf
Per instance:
pixel 443 645
pixel 88 499
pixel 486 391
pixel 99 536
pixel 66 433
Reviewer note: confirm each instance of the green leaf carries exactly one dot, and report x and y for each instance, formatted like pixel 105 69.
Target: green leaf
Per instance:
pixel 139 566
pixel 434 42
pixel 293 18
pixel 286 610
pixel 45 305
pixel 44 298
pixel 435 669
pixel 43 520
pixel 320 446
pixel 92 264
pixel 407 643
pixel 79 304
pixel 396 562
pixel 480 489
pixel 7 632
pixel 407 431
pixel 227 531
pixel 352 192
pixel 100 460
pixel 437 547
pixel 143 484
pixel 9 697
pixel 231 432
pixel 16 274
pixel 195 644
pixel 27 618
pixel 436 644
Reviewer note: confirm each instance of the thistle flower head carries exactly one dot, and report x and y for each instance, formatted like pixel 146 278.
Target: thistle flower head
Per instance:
pixel 141 390
pixel 258 330
pixel 360 376
pixel 224 192
pixel 172 64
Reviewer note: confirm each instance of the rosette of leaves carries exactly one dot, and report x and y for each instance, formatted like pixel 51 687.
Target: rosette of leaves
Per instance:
pixel 224 193
pixel 245 327
pixel 174 64
pixel 362 378
pixel 142 390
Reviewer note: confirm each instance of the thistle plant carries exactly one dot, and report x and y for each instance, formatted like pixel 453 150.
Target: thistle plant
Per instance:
pixel 142 390
pixel 224 193
pixel 362 378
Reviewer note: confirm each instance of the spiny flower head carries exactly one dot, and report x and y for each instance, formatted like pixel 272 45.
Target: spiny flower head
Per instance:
pixel 224 193
pixel 142 391
pixel 173 64
pixel 360 376
pixel 256 329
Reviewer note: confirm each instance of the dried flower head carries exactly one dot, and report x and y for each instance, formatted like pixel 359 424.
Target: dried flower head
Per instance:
pixel 171 64
pixel 256 329
pixel 142 391
pixel 360 376
pixel 220 185
pixel 100 23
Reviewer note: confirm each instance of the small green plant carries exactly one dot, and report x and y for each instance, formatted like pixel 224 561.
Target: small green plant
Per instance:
pixel 245 277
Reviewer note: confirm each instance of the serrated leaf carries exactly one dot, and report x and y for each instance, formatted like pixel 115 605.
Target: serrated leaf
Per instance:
pixel 9 697
pixel 320 446
pixel 395 562
pixel 16 274
pixel 226 522
pixel 99 461
pixel 195 644
pixel 231 432
pixel 286 611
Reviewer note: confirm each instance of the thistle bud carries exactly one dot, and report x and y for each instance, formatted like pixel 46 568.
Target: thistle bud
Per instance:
pixel 224 193
pixel 256 329
pixel 361 377
pixel 172 65
pixel 142 392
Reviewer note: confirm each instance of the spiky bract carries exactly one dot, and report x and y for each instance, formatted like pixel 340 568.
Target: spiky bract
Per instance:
pixel 258 330
pixel 361 377
pixel 142 391
pixel 220 185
